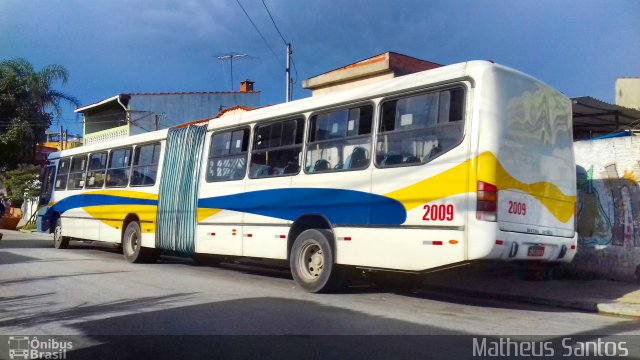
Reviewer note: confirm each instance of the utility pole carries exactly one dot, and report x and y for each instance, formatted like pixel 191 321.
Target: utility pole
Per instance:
pixel 61 143
pixel 230 57
pixel 288 74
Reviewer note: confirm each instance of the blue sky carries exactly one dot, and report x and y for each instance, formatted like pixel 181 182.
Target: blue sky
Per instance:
pixel 110 47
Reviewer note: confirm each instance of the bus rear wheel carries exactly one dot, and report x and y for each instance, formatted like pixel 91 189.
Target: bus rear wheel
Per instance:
pixel 59 241
pixel 132 247
pixel 312 262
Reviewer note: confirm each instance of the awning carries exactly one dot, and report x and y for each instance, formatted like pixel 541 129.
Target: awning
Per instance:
pixel 593 117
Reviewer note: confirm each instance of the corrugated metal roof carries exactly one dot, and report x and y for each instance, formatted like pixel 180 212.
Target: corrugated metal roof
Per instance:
pixel 593 117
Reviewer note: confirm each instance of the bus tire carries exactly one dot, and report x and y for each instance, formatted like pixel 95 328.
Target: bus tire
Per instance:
pixel 312 262
pixel 131 244
pixel 59 241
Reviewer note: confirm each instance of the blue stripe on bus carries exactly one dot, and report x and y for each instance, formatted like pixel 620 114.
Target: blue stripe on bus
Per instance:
pixel 339 206
pixel 83 200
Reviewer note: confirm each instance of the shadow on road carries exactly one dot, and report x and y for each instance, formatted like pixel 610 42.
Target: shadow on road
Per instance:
pixel 79 312
pixel 276 328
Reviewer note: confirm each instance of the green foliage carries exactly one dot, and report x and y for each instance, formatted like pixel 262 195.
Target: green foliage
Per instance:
pixel 28 97
pixel 21 182
pixel 16 144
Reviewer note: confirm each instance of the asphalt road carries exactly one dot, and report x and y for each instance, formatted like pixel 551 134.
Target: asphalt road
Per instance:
pixel 88 293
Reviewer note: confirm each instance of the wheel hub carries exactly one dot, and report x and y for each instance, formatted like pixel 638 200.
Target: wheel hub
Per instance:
pixel 312 261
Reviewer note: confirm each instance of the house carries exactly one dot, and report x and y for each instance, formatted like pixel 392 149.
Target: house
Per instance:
pixel 135 113
pixel 380 67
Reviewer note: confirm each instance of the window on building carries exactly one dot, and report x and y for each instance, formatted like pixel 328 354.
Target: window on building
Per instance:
pixel 277 147
pixel 118 172
pixel 340 140
pixel 416 129
pixel 77 172
pixel 63 174
pixel 145 165
pixel 228 155
pixel 96 171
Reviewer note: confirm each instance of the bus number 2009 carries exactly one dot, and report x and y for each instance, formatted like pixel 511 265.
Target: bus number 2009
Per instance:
pixel 517 208
pixel 438 213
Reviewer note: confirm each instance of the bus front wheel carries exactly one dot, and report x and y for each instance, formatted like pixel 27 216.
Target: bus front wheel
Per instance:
pixel 59 241
pixel 312 262
pixel 132 245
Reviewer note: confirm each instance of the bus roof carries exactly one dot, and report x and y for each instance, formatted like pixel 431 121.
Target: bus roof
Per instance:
pixel 471 70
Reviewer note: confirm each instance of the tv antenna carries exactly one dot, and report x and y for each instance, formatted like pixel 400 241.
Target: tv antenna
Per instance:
pixel 231 57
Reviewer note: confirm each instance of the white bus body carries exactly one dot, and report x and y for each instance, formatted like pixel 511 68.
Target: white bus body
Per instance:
pixel 463 162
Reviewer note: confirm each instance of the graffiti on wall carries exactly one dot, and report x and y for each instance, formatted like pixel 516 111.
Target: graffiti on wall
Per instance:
pixel 608 208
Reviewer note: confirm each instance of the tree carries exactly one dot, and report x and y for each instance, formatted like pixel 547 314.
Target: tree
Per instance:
pixel 22 183
pixel 16 145
pixel 28 96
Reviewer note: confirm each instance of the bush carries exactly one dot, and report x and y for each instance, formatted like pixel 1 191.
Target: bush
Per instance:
pixel 21 182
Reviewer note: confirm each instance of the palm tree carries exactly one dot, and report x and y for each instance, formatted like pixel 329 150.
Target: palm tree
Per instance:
pixel 29 95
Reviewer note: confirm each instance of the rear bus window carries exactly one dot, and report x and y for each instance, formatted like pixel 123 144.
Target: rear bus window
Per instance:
pixel 63 174
pixel 340 140
pixel 77 172
pixel 276 150
pixel 118 172
pixel 145 165
pixel 228 155
pixel 416 129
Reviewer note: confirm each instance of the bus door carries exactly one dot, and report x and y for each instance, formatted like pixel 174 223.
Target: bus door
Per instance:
pixel 47 179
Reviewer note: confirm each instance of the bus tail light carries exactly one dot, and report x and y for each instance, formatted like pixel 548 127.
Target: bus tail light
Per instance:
pixel 487 205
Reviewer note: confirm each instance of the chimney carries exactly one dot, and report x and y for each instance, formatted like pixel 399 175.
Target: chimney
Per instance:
pixel 246 86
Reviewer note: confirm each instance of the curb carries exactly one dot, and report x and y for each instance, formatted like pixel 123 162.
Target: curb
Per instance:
pixel 588 306
pixel 619 309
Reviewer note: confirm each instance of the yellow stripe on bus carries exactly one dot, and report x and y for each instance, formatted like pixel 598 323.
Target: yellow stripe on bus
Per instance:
pixel 491 171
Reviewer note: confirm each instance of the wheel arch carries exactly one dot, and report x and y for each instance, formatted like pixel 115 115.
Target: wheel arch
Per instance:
pixel 306 222
pixel 53 220
pixel 129 218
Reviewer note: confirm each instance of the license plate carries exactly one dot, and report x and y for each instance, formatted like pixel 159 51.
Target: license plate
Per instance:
pixel 535 251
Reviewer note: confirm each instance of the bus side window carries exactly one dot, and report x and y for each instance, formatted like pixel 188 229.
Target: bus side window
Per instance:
pixel 416 129
pixel 277 148
pixel 95 172
pixel 118 170
pixel 228 155
pixel 340 140
pixel 63 174
pixel 77 172
pixel 145 165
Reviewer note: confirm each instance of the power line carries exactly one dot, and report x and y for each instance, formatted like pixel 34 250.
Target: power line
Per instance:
pixel 259 33
pixel 281 37
pixel 274 23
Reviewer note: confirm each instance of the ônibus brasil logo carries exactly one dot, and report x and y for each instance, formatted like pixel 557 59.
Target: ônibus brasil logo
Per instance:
pixel 30 347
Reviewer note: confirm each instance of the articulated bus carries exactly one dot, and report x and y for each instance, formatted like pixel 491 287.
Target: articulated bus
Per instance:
pixel 463 162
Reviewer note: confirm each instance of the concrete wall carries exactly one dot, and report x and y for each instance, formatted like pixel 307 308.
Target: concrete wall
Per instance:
pixel 608 207
pixel 174 109
pixel 628 92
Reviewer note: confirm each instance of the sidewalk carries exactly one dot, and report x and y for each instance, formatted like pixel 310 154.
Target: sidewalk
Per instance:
pixel 507 281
